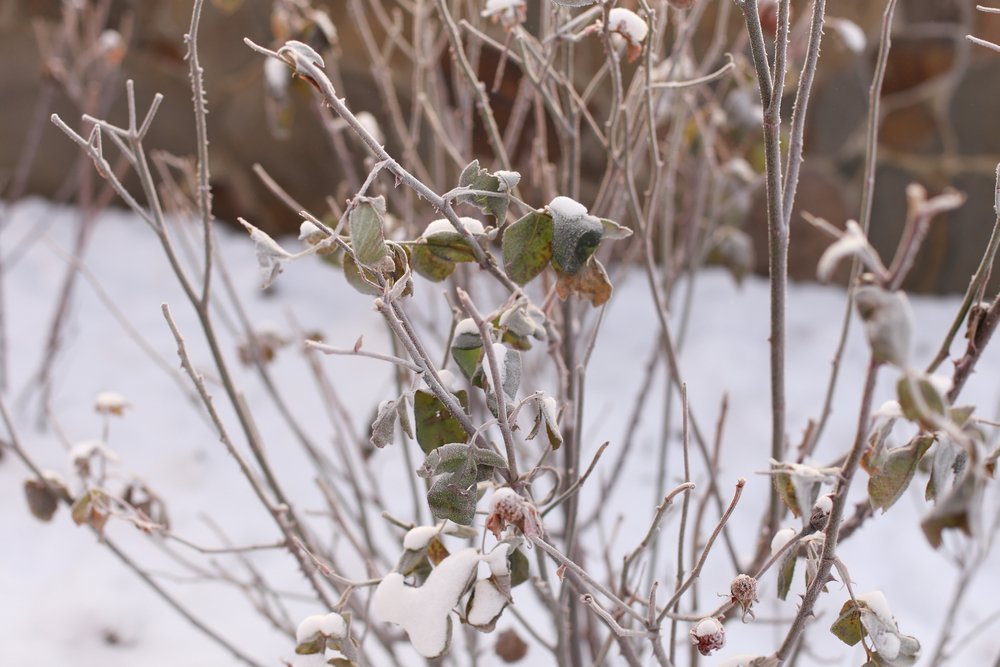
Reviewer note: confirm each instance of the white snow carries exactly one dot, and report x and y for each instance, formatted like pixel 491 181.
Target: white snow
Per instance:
pixel 824 504
pixel 418 538
pixel 86 449
pixel 504 494
pixel 706 626
pixel 628 24
pixel 424 612
pixel 308 231
pixel 443 226
pixel 328 625
pixel 450 381
pixel 566 208
pixel 781 538
pixel 467 327
pixel 487 603
pixel 878 605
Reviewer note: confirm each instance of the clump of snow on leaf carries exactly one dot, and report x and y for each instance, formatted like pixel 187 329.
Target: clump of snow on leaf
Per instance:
pixel 443 226
pixel 329 625
pixel 424 612
pixel 566 208
pixel 781 538
pixel 628 24
pixel 418 538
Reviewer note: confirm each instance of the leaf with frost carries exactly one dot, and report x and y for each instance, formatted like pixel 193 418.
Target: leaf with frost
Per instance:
pixel 467 347
pixel 575 235
pixel 527 247
pixel 92 508
pixel 887 484
pixel 949 461
pixel 384 426
pixel 452 458
pixel 508 368
pixel 271 257
pixel 425 612
pixel 888 322
pixel 920 401
pixel 548 415
pixel 798 483
pixel 891 647
pixel 475 178
pixel 367 231
pixel 453 495
pixel 613 231
pixel 786 573
pixel 295 53
pixel 852 243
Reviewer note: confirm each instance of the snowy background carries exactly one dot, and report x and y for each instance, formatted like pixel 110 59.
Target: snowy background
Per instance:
pixel 65 600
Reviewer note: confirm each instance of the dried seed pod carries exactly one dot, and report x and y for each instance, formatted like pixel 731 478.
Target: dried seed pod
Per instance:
pixel 510 647
pixel 743 592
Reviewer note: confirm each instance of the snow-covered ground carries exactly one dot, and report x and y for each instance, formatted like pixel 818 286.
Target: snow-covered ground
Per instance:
pixel 66 600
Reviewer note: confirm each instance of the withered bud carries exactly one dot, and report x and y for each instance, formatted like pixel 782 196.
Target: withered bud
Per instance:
pixel 743 592
pixel 708 635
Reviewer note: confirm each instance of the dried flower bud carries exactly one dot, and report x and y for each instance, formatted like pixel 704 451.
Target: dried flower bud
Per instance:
pixel 743 592
pixel 708 635
pixel 821 512
pixel 508 508
pixel 510 647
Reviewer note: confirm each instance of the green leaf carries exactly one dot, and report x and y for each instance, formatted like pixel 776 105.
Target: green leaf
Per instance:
pixel 435 425
pixel 887 485
pixel 467 360
pixel 847 628
pixel 527 247
pixel 786 491
pixel 361 279
pixel 520 568
pixel 367 236
pixel 786 573
pixel 429 265
pixel 573 242
pixel 317 645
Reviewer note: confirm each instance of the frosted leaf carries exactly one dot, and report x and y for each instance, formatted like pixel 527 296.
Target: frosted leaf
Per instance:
pixel 467 334
pixel 508 179
pixel 418 538
pixel 508 368
pixel 892 646
pixel 425 612
pixel 295 53
pixel 110 403
pixel 781 538
pixel 509 508
pixel 888 322
pixel 270 256
pixel 384 426
pixel 852 242
pixel 850 34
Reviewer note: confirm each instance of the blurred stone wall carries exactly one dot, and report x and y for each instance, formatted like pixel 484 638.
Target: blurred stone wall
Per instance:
pixel 941 116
